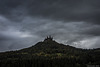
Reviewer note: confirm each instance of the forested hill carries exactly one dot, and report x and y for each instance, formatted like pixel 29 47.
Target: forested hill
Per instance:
pixel 49 53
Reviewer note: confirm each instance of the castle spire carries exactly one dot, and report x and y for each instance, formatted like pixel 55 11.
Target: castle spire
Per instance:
pixel 49 38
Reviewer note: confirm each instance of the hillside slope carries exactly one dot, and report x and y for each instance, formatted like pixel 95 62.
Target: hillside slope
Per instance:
pixel 49 53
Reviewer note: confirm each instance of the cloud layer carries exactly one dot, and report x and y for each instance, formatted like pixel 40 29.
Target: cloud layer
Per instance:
pixel 74 22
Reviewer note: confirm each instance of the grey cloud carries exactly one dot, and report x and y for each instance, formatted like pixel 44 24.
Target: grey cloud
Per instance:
pixel 67 10
pixel 66 33
pixel 26 22
pixel 92 30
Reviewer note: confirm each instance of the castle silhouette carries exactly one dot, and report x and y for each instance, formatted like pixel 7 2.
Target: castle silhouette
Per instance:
pixel 48 38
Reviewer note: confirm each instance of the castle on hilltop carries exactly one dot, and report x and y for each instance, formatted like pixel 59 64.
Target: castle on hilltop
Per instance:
pixel 48 38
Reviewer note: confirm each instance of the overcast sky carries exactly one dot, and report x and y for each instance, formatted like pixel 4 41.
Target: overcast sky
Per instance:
pixel 72 22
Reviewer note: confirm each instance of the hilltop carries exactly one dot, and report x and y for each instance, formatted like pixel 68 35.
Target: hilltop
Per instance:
pixel 49 53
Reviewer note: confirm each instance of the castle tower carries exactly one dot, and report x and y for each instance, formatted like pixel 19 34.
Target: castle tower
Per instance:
pixel 48 38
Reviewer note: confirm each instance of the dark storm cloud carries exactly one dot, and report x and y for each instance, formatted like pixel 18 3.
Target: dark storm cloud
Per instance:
pixel 25 22
pixel 69 10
